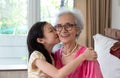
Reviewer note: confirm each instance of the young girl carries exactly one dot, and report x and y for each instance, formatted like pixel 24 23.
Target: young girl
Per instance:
pixel 41 39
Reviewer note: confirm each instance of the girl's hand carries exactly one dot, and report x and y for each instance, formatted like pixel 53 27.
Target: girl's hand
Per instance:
pixel 90 54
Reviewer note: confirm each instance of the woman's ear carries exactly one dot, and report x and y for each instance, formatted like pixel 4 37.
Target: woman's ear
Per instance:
pixel 78 30
pixel 40 40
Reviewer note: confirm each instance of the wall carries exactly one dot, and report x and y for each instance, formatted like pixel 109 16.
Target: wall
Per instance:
pixel 13 56
pixel 116 14
pixel 81 5
pixel 13 50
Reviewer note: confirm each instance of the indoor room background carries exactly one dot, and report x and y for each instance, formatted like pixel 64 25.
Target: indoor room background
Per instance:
pixel 17 17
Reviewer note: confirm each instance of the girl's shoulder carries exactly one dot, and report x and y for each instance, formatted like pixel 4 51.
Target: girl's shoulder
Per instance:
pixel 37 54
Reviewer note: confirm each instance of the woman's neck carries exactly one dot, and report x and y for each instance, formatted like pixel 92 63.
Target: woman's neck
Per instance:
pixel 68 47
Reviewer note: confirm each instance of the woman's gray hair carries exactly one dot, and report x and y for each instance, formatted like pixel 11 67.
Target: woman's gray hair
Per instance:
pixel 76 13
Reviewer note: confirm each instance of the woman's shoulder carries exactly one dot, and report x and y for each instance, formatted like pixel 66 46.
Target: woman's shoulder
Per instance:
pixel 82 48
pixel 57 51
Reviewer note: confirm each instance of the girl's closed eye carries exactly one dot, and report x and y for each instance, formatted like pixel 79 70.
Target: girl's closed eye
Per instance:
pixel 51 29
pixel 54 29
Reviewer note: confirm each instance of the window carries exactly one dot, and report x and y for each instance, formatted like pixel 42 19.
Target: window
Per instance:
pixel 50 7
pixel 13 16
pixel 45 10
pixel 13 30
pixel 16 17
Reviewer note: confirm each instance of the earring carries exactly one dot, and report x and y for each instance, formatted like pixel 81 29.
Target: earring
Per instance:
pixel 77 33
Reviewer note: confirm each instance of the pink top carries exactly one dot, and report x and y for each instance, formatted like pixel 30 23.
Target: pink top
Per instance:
pixel 87 69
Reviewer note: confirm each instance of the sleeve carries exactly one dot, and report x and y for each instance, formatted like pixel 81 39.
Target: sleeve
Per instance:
pixel 35 55
pixel 93 70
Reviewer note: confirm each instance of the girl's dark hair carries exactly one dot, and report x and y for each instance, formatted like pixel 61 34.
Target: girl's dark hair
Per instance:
pixel 37 31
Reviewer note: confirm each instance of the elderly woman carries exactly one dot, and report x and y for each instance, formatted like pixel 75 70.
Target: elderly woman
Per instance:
pixel 69 25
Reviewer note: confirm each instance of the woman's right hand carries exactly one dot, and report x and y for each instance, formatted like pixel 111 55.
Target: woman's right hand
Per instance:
pixel 90 54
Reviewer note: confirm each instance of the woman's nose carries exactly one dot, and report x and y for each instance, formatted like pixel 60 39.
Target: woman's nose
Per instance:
pixel 63 29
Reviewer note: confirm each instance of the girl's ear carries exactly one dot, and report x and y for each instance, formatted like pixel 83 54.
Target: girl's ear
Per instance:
pixel 40 40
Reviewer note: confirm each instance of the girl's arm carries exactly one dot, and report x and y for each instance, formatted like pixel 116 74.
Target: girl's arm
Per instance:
pixel 67 69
